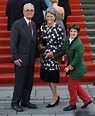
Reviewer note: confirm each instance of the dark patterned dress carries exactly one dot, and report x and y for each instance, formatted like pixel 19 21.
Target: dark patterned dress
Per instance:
pixel 53 38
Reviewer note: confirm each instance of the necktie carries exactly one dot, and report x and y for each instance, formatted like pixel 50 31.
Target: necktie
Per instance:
pixel 30 27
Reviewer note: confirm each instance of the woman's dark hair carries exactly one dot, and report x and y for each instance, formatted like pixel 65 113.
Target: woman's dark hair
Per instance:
pixel 74 26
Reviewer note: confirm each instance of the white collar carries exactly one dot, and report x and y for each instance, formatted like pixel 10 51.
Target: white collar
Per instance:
pixel 27 21
pixel 71 39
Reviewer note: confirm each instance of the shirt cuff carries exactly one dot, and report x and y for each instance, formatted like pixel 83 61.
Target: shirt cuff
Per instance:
pixel 70 67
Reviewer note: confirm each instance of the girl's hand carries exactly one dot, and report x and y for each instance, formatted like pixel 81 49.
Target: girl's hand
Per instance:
pixel 66 69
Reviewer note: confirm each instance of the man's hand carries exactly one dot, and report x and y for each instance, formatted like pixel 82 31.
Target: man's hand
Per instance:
pixel 18 62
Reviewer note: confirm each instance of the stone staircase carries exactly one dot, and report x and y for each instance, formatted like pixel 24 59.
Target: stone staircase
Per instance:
pixel 6 67
pixel 88 10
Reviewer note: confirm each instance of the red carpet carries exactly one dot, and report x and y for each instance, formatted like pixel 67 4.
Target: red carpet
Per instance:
pixel 6 67
pixel 75 6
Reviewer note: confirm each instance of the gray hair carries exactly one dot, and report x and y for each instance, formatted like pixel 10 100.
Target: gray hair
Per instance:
pixel 28 4
pixel 52 11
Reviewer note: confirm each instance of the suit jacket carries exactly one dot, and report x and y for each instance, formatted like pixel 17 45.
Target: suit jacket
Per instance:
pixel 23 44
pixel 14 11
pixel 74 52
pixel 39 6
pixel 66 6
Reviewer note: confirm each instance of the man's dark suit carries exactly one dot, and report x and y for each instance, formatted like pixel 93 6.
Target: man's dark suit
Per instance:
pixel 14 11
pixel 39 6
pixel 23 46
pixel 66 6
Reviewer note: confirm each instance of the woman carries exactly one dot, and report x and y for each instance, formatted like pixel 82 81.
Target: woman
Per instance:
pixel 65 4
pixel 48 3
pixel 76 67
pixel 60 13
pixel 52 40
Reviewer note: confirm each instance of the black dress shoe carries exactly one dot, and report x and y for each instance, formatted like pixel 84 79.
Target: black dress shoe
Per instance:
pixel 85 105
pixel 17 108
pixel 29 105
pixel 55 104
pixel 70 107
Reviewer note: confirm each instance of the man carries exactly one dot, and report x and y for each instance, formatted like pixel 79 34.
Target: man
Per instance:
pixel 23 48
pixel 39 6
pixel 14 11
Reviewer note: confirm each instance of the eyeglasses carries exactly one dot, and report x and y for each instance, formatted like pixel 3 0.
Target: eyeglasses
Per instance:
pixel 29 10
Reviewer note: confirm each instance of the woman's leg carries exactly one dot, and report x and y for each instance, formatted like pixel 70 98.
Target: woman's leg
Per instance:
pixel 54 92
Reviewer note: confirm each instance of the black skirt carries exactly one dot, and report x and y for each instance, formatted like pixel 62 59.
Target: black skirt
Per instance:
pixel 50 76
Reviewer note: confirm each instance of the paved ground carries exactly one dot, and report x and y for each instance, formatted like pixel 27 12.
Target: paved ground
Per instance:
pixel 41 96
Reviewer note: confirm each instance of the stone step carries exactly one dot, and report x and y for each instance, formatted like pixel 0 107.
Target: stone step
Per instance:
pixel 92 47
pixel 93 54
pixel 89 18
pixel 91 32
pixel 41 96
pixel 91 39
pixel 90 25
pixel 87 1
pixel 89 12
pixel 87 6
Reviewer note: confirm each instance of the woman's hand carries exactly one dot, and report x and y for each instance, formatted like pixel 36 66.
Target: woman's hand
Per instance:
pixel 50 54
pixel 41 47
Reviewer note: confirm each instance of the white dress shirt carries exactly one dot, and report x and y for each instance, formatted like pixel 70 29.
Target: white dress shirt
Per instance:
pixel 27 21
pixel 70 40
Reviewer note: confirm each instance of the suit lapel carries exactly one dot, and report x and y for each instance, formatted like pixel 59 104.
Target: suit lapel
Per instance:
pixel 32 29
pixel 25 26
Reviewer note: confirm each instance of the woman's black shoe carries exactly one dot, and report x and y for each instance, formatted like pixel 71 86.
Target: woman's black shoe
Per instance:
pixel 55 104
pixel 58 98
